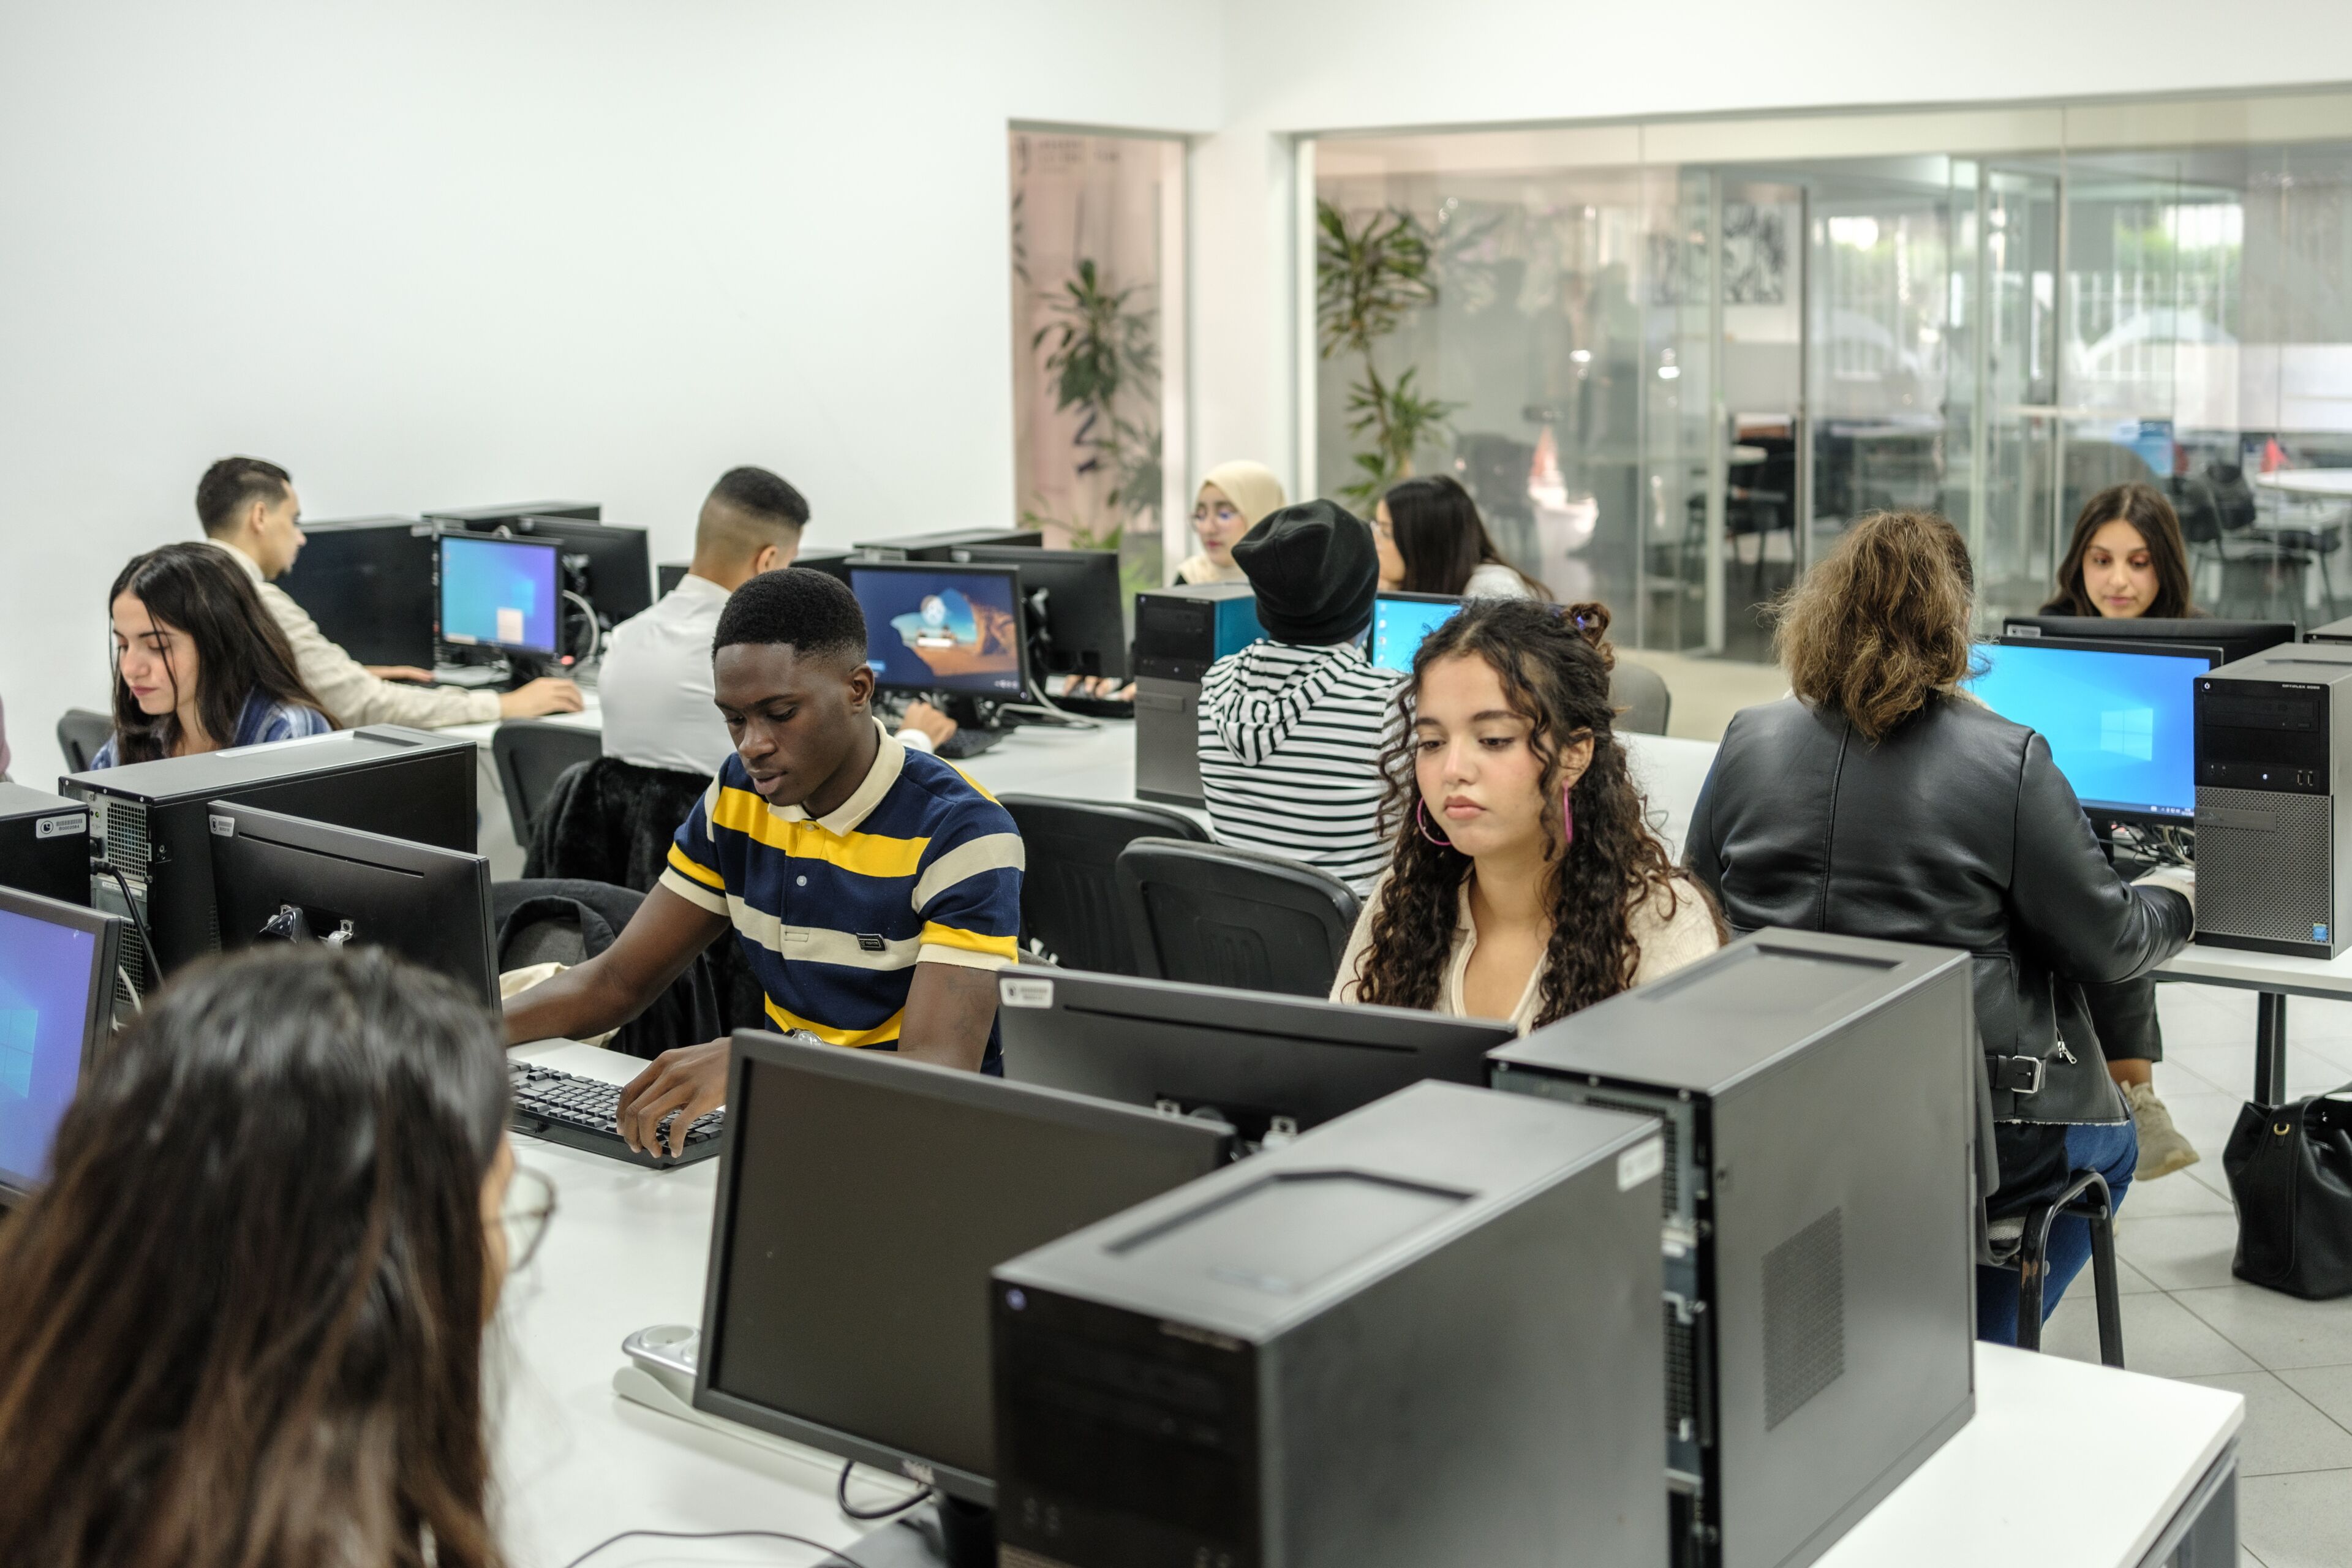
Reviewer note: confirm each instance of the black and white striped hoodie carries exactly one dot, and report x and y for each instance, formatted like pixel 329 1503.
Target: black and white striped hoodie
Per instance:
pixel 1290 750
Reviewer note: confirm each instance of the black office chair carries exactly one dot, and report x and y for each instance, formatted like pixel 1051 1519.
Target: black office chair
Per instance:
pixel 531 755
pixel 1070 908
pixel 80 734
pixel 1217 915
pixel 1640 694
pixel 2085 1196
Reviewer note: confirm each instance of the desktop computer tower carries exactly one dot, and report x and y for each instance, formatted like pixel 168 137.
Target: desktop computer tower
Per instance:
pixel 1179 633
pixel 486 519
pixel 370 585
pixel 149 821
pixel 2273 788
pixel 2334 631
pixel 943 544
pixel 1819 1200
pixel 1421 1334
pixel 44 844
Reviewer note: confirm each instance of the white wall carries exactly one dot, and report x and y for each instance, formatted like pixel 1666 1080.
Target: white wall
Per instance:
pixel 435 252
pixel 1304 66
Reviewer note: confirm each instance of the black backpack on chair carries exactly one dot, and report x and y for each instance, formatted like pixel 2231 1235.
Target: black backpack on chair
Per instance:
pixel 2290 1168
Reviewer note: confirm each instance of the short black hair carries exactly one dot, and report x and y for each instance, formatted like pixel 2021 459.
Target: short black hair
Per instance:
pixel 815 615
pixel 763 496
pixel 233 484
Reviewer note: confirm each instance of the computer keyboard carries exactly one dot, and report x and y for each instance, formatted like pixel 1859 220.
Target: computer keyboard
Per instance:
pixel 565 1108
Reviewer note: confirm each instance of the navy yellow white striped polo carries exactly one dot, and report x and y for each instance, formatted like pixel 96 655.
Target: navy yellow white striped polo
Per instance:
pixel 919 866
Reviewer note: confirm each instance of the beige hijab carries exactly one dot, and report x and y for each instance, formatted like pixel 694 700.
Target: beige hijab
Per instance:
pixel 1254 491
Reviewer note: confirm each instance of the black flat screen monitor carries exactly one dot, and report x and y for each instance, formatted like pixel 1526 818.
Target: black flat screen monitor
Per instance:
pixel 1261 1062
pixel 56 1011
pixel 863 1199
pixel 485 518
pixel 430 906
pixel 2119 717
pixel 1078 625
pixel 943 544
pixel 368 582
pixel 2234 639
pixel 956 630
pixel 609 566
pixel 501 594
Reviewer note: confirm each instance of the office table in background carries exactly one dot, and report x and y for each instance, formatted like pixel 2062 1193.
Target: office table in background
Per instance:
pixel 629 1248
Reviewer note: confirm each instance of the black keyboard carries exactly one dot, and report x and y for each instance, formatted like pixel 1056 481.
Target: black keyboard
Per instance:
pixel 564 1108
pixel 1096 706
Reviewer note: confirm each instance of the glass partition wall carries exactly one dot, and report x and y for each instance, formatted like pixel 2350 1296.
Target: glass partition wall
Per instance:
pixel 1672 361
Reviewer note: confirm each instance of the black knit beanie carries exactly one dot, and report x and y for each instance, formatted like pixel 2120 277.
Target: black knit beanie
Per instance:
pixel 1315 570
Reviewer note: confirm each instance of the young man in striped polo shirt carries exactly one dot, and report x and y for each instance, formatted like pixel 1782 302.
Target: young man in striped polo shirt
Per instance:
pixel 874 889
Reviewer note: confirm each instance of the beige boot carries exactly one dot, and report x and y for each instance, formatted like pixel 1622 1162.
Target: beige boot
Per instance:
pixel 2162 1149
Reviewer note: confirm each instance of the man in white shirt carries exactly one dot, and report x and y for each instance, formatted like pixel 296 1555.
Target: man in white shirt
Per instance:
pixel 248 508
pixel 655 686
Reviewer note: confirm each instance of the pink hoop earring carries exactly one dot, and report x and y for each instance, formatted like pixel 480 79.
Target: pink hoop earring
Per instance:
pixel 1421 819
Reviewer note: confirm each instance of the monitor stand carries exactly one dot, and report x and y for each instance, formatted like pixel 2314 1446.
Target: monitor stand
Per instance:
pixel 943 1533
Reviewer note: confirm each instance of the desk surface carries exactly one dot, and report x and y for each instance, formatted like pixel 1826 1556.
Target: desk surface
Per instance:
pixel 2309 481
pixel 627 1248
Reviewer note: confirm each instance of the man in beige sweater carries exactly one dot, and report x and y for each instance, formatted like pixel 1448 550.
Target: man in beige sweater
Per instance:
pixel 249 509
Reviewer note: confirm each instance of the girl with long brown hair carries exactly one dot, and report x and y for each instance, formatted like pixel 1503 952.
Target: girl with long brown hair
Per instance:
pixel 241 1326
pixel 2127 559
pixel 198 664
pixel 1524 883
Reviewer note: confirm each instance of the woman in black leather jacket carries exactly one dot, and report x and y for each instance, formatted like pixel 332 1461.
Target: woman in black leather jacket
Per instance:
pixel 1880 801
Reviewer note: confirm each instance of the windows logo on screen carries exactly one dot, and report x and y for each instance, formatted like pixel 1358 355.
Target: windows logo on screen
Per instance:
pixel 2128 733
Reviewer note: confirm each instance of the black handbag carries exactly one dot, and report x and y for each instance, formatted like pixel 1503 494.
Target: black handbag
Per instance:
pixel 2290 1168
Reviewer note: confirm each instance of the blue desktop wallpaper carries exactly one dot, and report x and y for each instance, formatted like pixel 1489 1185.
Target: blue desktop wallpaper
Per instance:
pixel 2119 725
pixel 940 630
pixel 499 591
pixel 1400 626
pixel 44 990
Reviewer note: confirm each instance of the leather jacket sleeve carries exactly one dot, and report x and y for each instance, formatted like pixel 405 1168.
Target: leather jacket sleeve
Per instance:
pixel 2085 922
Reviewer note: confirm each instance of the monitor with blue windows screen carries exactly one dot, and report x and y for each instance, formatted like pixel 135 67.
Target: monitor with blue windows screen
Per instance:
pixel 2119 719
pixel 937 627
pixel 58 964
pixel 1401 622
pixel 500 593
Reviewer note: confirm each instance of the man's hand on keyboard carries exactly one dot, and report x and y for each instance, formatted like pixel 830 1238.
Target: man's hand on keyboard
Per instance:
pixel 693 1077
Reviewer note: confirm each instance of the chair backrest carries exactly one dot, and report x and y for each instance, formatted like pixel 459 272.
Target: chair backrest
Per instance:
pixel 1216 915
pixel 1642 692
pixel 531 754
pixel 79 735
pixel 1069 890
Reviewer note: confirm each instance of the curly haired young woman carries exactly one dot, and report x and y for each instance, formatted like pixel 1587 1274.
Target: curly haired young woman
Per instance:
pixel 1525 884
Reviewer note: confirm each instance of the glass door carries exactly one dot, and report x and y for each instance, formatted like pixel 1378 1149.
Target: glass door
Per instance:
pixel 2018 435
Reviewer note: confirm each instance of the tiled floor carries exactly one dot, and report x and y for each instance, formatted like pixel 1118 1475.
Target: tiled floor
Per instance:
pixel 2185 1317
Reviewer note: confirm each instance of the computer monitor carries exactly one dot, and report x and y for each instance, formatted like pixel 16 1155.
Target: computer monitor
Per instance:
pixel 609 566
pixel 1402 621
pixel 943 544
pixel 863 1199
pixel 287 879
pixel 57 1010
pixel 955 629
pixel 486 519
pixel 2235 639
pixel 1261 1062
pixel 2119 717
pixel 368 582
pixel 1078 625
pixel 501 593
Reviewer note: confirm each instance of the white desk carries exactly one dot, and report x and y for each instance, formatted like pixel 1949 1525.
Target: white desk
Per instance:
pixel 2325 484
pixel 628 1248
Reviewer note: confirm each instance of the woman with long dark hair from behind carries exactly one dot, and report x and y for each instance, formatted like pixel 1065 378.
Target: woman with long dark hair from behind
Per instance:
pixel 198 665
pixel 2127 559
pixel 1432 541
pixel 241 1327
pixel 1525 884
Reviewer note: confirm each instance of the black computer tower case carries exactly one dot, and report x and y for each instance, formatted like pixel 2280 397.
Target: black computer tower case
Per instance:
pixel 2274 845
pixel 1419 1335
pixel 150 820
pixel 44 844
pixel 1819 1100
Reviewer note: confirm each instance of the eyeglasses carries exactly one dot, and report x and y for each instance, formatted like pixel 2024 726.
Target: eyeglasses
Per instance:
pixel 529 1205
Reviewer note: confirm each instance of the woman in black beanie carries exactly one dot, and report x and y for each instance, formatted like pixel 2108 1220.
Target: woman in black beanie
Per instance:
pixel 1292 727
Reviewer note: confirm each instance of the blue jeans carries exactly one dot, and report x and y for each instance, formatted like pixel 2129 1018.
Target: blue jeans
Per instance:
pixel 2112 1150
